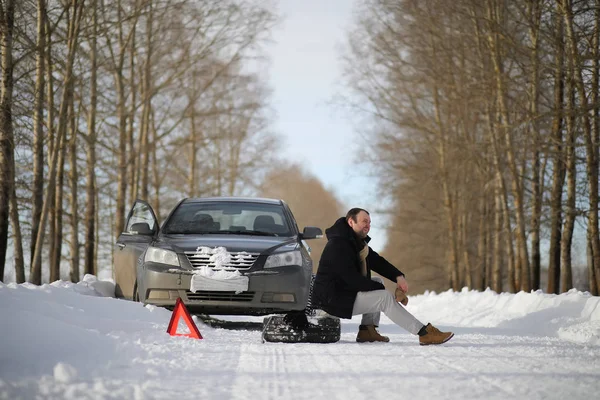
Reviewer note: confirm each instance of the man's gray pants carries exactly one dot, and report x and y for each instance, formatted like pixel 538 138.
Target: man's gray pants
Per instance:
pixel 371 304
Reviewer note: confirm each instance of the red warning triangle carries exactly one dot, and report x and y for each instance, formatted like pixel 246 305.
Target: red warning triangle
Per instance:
pixel 179 311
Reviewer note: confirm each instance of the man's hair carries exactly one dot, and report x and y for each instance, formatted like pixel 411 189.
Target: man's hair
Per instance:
pixel 354 212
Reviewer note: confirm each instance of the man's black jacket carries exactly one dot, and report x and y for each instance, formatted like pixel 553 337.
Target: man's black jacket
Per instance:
pixel 339 278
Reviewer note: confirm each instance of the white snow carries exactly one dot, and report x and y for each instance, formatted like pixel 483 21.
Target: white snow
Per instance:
pixel 219 256
pixel 215 276
pixel 207 278
pixel 72 341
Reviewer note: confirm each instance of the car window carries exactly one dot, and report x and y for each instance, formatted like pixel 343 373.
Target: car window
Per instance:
pixel 228 217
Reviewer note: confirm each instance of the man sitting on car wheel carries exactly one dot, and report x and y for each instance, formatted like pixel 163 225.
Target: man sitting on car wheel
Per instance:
pixel 343 286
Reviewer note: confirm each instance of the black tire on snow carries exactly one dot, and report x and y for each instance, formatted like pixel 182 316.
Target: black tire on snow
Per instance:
pixel 276 329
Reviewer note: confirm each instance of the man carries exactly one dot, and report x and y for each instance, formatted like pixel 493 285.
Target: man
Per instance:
pixel 343 286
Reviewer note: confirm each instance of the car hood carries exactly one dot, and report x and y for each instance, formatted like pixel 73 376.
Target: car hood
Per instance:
pixel 233 243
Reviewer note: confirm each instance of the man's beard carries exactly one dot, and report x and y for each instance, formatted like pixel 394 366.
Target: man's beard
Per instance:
pixel 361 235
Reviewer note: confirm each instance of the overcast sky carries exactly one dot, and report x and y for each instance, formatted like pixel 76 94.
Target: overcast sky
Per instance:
pixel 305 75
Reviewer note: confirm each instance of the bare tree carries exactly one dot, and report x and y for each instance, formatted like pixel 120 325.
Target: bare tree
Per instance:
pixel 73 33
pixel 74 207
pixel 570 212
pixel 466 78
pixel 559 170
pixel 18 239
pixel 588 135
pixel 118 70
pixel 91 193
pixel 99 67
pixel 534 13
pixel 7 164
pixel 38 134
pixel 496 18
pixel 595 87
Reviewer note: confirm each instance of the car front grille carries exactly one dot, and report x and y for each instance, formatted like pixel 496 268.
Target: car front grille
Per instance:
pixel 238 260
pixel 211 295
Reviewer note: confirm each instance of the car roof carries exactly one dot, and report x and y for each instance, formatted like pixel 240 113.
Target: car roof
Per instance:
pixel 261 200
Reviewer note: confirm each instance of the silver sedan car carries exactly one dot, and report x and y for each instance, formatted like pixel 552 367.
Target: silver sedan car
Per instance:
pixel 220 255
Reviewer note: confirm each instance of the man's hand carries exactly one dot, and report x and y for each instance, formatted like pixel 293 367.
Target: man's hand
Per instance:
pixel 402 284
pixel 401 297
pixel 401 290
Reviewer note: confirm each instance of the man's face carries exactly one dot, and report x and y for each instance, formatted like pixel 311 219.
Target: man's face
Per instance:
pixel 362 226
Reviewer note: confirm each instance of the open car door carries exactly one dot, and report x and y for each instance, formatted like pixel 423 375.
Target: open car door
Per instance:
pixel 140 230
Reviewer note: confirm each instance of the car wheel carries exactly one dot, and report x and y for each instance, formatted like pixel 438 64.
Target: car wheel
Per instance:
pixel 136 295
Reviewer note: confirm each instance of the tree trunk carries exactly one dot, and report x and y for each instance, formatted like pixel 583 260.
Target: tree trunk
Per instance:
pixel 97 234
pixel 7 150
pixel 74 179
pixel 465 250
pixel 504 209
pixel 146 108
pixel 56 250
pixel 490 234
pixel 594 280
pixel 155 171
pixel 569 225
pixel 590 147
pixel 90 213
pixel 508 242
pixel 35 275
pixel 482 246
pixel 536 209
pixel 498 253
pixel 122 169
pixel 590 262
pixel 72 37
pixel 193 151
pixel 522 280
pixel 558 173
pixel 37 191
pixel 122 117
pixel 449 206
pixel 17 238
pixel 133 176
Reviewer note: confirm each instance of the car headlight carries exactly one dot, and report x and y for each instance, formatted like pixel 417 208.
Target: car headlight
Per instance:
pixel 154 254
pixel 283 259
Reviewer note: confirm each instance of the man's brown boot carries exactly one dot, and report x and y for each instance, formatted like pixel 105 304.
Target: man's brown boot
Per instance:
pixel 431 335
pixel 368 333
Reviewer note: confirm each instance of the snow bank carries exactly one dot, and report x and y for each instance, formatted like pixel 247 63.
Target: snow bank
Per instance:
pixel 572 316
pixel 72 322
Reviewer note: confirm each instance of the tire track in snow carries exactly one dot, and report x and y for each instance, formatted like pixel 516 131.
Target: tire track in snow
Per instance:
pixel 509 364
pixel 298 371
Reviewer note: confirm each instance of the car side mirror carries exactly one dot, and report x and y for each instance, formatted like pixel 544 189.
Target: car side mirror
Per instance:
pixel 141 228
pixel 312 232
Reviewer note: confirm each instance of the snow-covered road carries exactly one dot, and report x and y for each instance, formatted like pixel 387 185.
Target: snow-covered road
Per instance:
pixel 65 341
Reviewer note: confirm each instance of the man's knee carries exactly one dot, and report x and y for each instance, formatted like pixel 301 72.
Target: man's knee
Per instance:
pixel 387 298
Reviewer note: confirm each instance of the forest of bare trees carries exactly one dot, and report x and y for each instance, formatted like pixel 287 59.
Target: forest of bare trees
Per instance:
pixel 485 135
pixel 483 130
pixel 106 101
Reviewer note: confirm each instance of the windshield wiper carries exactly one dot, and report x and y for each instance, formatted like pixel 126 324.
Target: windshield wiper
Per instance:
pixel 249 232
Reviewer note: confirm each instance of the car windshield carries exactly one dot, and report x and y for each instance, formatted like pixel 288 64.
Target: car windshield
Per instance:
pixel 228 218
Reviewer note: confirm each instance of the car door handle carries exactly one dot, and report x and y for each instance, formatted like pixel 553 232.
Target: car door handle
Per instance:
pixel 121 245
